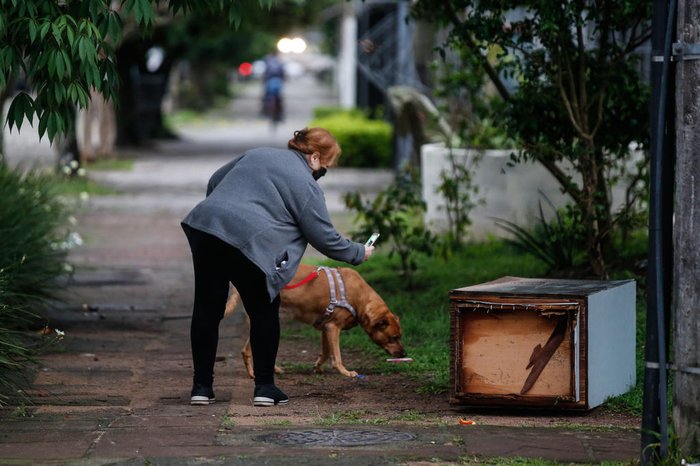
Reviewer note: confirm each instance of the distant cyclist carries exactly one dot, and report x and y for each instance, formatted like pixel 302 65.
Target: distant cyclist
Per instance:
pixel 274 80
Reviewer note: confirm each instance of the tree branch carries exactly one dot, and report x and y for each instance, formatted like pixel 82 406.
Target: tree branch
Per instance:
pixel 556 171
pixel 568 105
pixel 469 42
pixel 583 93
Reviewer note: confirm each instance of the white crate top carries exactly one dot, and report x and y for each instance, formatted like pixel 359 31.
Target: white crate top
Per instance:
pixel 541 287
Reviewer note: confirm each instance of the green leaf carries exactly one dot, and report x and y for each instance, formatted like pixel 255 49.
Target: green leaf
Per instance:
pixel 83 96
pixel 44 29
pixel 95 7
pixel 82 51
pixel 70 33
pixel 51 126
pixel 33 30
pixel 114 27
pixel 15 114
pixel 43 122
pixel 51 63
pixel 59 93
pixel 71 92
pixel 56 32
pixel 60 66
pixel 234 16
pixel 68 64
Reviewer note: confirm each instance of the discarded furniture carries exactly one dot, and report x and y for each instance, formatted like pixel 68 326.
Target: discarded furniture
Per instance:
pixel 566 344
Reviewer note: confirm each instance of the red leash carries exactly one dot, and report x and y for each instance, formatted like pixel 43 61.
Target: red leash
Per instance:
pixel 306 280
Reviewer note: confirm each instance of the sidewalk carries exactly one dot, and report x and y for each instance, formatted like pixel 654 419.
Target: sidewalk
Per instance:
pixel 118 391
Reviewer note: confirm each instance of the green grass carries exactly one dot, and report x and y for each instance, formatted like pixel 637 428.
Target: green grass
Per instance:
pixel 78 186
pixel 184 117
pixel 424 312
pixel 517 461
pixel 112 164
pixel 366 417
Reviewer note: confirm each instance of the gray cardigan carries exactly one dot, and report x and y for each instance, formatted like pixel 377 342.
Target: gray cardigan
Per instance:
pixel 266 204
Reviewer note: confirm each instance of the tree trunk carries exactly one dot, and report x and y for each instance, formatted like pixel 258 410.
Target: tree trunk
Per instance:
pixel 603 210
pixel 139 114
pixel 686 287
pixel 593 216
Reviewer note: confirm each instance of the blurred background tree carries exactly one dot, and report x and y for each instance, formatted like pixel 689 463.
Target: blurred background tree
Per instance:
pixel 126 51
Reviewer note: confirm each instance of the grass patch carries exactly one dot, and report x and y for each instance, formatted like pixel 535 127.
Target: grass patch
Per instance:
pixel 277 422
pixel 366 417
pixel 112 164
pixel 517 461
pixel 350 417
pixel 184 117
pixel 228 422
pixel 80 187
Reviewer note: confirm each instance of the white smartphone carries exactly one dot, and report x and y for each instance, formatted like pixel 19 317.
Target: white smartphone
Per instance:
pixel 372 239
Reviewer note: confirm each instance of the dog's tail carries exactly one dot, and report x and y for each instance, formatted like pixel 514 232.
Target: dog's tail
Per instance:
pixel 232 302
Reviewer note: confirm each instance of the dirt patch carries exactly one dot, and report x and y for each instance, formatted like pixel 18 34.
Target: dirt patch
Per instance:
pixel 385 399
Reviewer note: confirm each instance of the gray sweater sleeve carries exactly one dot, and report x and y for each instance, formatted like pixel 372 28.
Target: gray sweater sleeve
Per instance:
pixel 317 228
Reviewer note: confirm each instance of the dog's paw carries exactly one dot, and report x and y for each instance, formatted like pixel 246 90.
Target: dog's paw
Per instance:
pixel 318 369
pixel 352 374
pixel 278 370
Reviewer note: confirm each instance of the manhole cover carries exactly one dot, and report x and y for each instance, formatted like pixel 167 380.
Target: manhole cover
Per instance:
pixel 347 438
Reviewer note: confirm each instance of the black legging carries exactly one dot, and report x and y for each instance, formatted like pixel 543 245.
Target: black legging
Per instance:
pixel 217 263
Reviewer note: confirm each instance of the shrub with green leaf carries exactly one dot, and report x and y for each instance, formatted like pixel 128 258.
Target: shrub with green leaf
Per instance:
pixel 32 254
pixel 397 215
pixel 459 189
pixel 556 242
pixel 365 142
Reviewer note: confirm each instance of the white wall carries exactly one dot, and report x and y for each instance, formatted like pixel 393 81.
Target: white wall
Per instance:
pixel 508 192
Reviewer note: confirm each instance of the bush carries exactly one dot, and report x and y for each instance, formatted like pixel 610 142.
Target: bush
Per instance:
pixel 32 253
pixel 397 215
pixel 365 142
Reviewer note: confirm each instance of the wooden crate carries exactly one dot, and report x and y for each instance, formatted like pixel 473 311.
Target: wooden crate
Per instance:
pixel 567 344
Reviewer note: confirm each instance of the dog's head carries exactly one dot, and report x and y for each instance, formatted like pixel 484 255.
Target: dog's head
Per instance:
pixel 386 332
pixel 373 314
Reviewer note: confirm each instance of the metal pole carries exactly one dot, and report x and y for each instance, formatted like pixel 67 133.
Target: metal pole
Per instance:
pixel 655 415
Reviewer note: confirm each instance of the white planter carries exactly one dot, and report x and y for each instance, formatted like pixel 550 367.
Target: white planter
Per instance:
pixel 509 193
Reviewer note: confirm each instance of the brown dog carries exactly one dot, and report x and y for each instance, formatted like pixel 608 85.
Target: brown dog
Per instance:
pixel 308 303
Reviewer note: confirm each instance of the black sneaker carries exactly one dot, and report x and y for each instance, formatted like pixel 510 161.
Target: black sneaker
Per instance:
pixel 202 395
pixel 269 395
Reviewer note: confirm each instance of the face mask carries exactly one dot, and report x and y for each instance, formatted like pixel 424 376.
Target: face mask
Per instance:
pixel 318 173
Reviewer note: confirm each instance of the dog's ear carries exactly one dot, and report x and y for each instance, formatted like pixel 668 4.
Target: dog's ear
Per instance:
pixel 381 325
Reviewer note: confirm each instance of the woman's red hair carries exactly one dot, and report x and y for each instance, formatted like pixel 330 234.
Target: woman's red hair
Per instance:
pixel 310 140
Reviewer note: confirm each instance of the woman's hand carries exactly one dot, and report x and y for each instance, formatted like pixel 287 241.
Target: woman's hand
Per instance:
pixel 369 250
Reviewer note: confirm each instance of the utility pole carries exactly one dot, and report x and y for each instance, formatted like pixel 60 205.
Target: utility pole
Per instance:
pixel 686 287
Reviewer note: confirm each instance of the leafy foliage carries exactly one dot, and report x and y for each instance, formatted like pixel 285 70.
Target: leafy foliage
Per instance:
pixel 458 188
pixel 572 94
pixel 557 243
pixel 66 48
pixel 365 142
pixel 32 252
pixel 396 214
